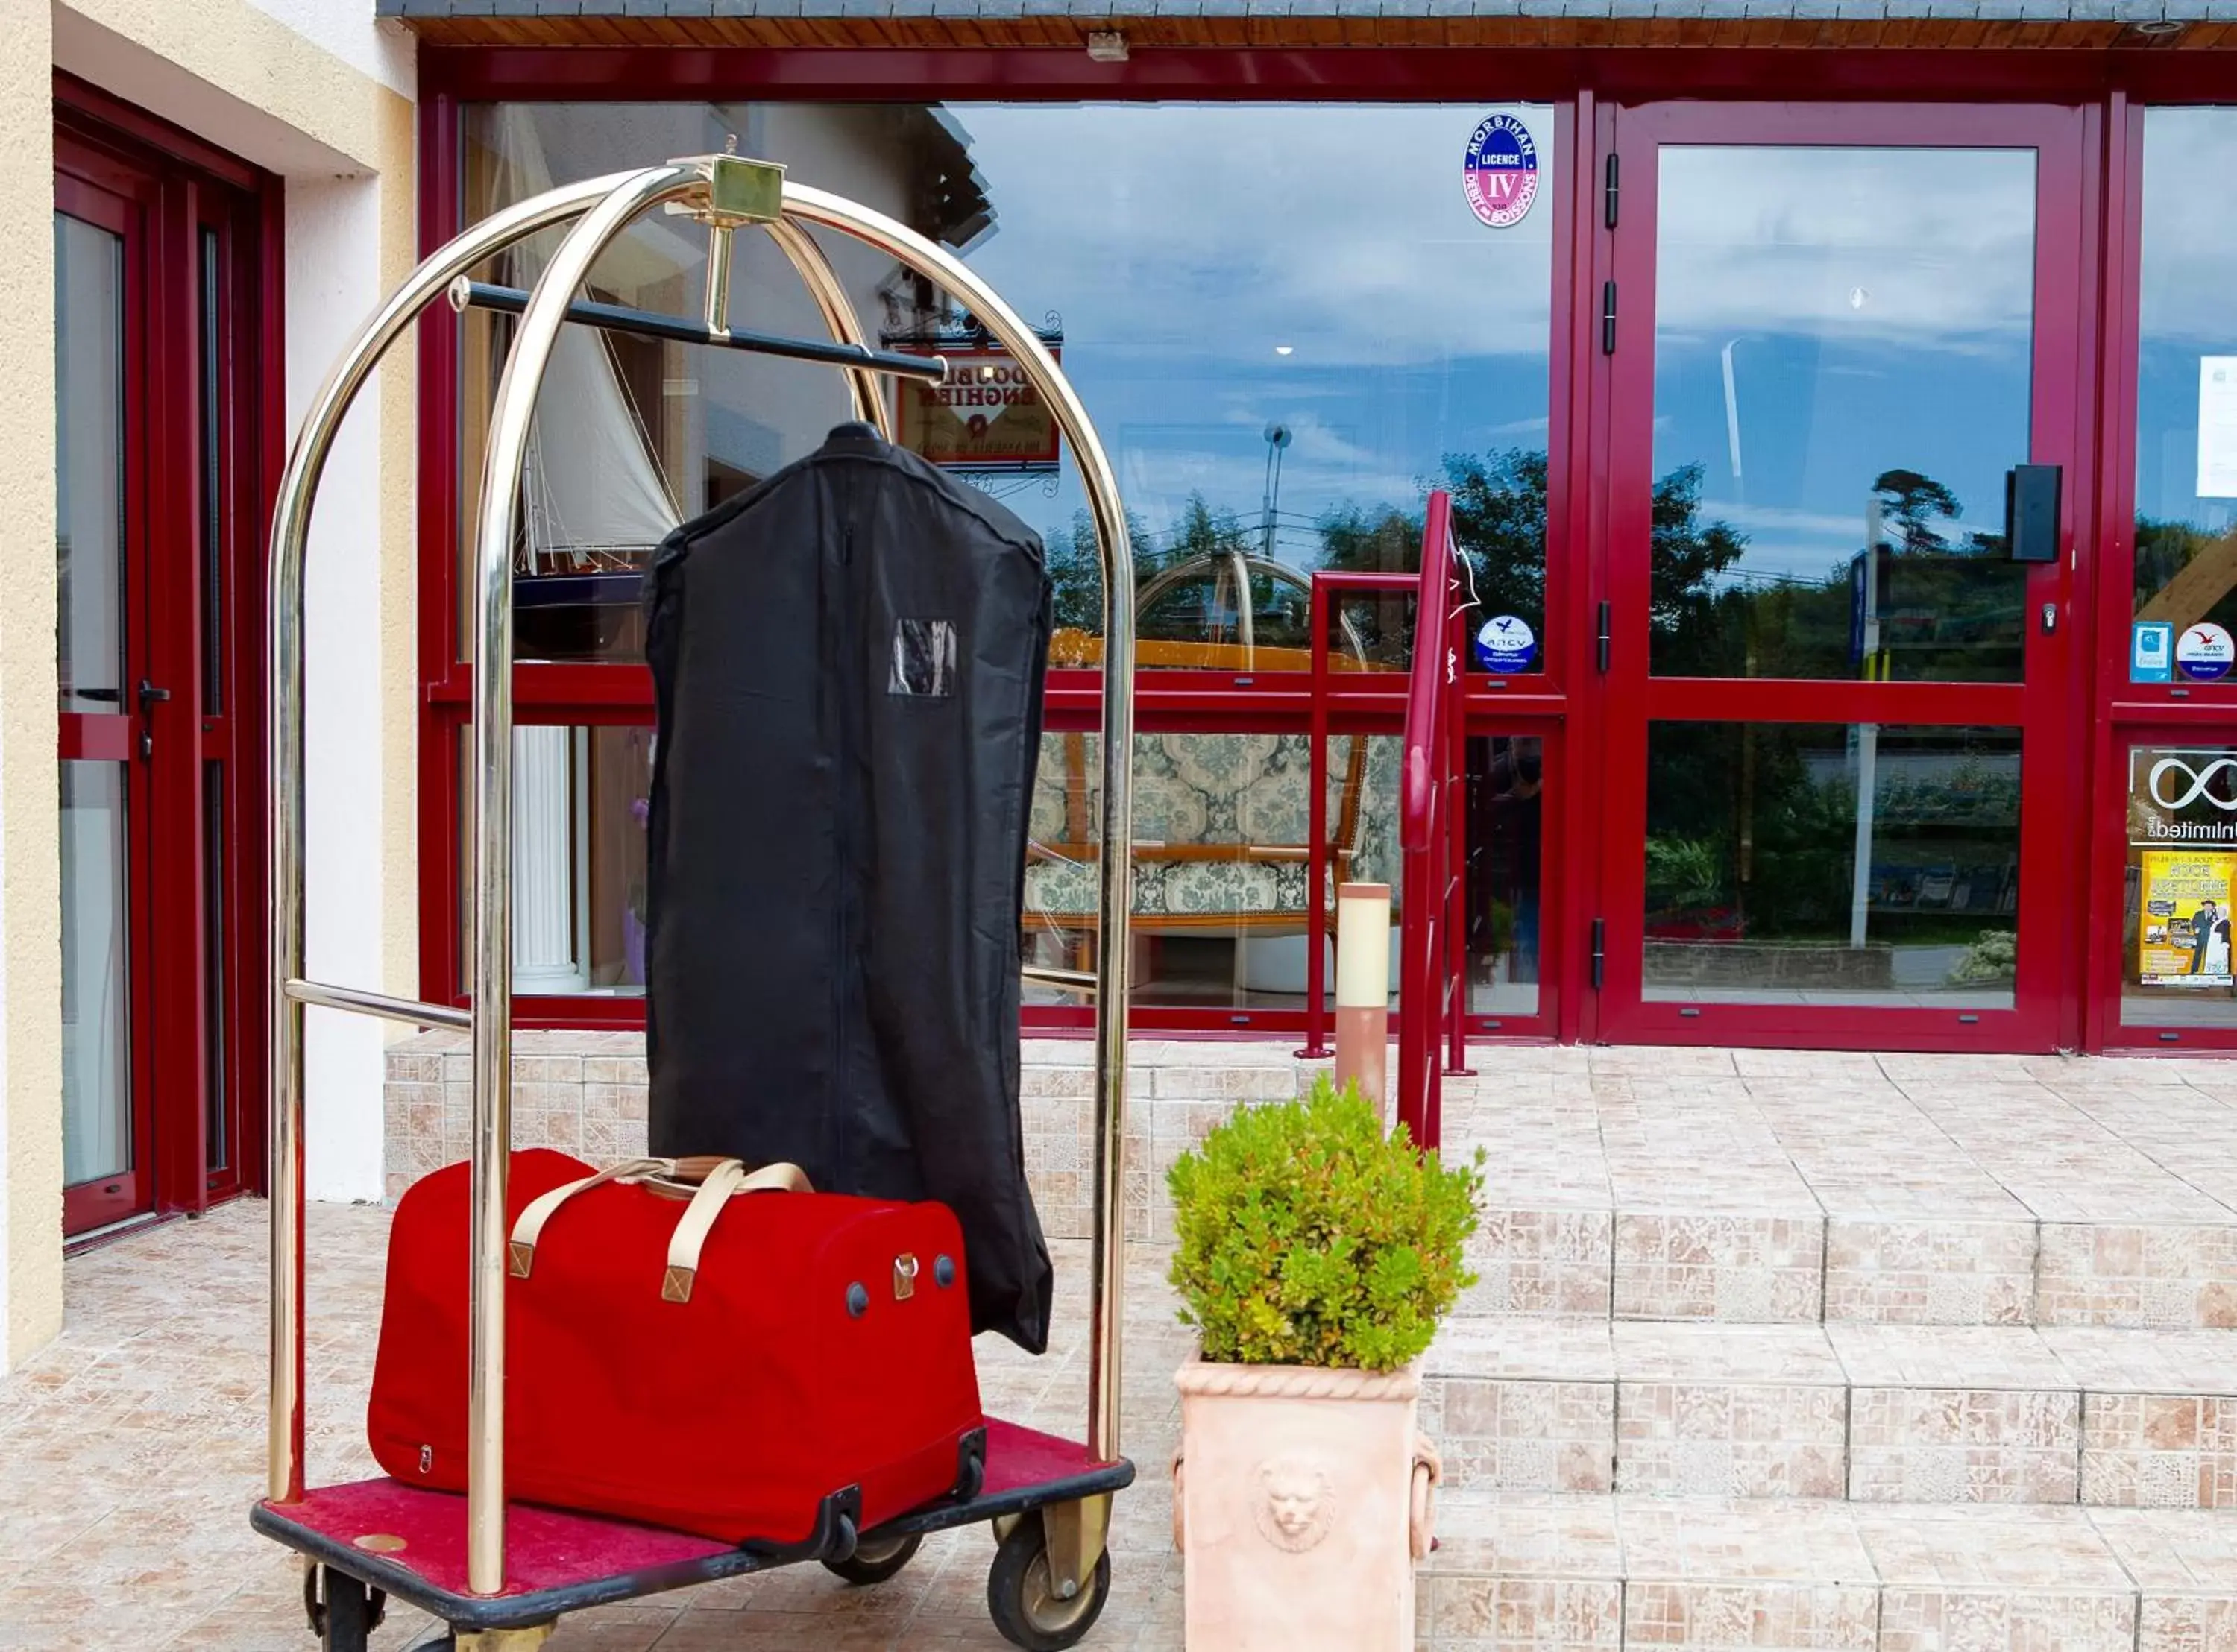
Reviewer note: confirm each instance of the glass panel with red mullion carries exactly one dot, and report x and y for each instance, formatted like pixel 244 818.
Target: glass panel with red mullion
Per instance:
pixel 1832 864
pixel 579 806
pixel 1272 408
pixel 2178 892
pixel 2184 617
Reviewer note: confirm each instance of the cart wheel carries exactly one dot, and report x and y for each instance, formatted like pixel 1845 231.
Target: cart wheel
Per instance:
pixel 344 1611
pixel 1021 1595
pixel 874 1561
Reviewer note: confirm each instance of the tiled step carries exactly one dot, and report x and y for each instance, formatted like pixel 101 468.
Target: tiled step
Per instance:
pixel 1868 1412
pixel 1800 1266
pixel 1576 1574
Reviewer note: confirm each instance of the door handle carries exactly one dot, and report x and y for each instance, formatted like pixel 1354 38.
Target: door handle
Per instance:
pixel 2049 618
pixel 150 696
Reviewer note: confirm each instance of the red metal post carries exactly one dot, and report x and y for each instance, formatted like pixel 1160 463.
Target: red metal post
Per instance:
pixel 1316 855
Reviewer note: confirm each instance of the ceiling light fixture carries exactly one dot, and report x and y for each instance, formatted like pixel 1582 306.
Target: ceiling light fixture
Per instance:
pixel 2160 27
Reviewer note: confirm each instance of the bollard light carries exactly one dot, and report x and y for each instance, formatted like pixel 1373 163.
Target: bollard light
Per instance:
pixel 1362 991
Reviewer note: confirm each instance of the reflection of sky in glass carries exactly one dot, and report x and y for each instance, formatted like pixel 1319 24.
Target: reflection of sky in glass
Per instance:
pixel 2190 249
pixel 1824 316
pixel 1184 245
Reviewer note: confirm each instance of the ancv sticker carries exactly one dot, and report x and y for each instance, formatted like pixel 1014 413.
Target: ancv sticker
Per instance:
pixel 1501 171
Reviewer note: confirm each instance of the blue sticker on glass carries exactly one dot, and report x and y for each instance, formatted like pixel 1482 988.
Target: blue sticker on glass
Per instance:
pixel 1505 644
pixel 1501 170
pixel 2151 651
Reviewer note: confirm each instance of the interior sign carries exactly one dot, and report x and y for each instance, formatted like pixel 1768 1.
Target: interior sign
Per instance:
pixel 986 415
pixel 1501 172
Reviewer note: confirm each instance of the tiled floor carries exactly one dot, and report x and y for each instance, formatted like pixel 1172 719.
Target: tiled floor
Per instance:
pixel 1723 1292
pixel 131 1449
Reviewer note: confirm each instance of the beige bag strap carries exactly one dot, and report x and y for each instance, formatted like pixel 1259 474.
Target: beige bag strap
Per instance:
pixel 691 1236
pixel 520 1248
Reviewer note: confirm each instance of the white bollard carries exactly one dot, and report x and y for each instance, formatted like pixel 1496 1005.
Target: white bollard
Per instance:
pixel 1362 991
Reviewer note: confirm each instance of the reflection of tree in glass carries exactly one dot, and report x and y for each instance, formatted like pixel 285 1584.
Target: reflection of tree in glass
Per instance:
pixel 1199 608
pixel 2185 573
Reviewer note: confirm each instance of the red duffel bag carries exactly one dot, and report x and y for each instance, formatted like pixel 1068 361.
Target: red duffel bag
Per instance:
pixel 720 1360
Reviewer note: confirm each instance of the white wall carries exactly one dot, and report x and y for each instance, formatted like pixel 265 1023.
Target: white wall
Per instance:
pixel 333 283
pixel 379 50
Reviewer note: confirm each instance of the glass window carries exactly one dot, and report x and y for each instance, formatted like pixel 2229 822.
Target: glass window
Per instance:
pixel 1506 781
pixel 1277 398
pixel 2182 889
pixel 2185 571
pixel 1844 345
pixel 1823 863
pixel 96 1025
pixel 89 466
pixel 1222 833
pixel 579 802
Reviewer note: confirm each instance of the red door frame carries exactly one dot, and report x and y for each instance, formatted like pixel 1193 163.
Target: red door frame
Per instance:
pixel 2130 712
pixel 2061 421
pixel 208 738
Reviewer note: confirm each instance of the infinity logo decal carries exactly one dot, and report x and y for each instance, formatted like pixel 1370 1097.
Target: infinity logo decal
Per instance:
pixel 2198 781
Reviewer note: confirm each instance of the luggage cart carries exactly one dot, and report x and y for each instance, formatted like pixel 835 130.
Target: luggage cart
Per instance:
pixel 500 1575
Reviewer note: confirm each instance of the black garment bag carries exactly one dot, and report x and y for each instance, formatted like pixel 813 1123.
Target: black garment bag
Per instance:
pixel 847 668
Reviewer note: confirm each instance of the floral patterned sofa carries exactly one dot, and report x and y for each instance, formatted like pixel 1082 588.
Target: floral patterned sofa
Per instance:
pixel 1222 823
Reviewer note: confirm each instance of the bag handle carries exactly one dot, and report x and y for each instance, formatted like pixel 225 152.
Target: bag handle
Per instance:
pixel 718 1180
pixel 520 1247
pixel 727 1178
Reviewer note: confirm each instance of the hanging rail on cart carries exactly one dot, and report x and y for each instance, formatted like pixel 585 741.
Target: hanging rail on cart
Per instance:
pixel 725 193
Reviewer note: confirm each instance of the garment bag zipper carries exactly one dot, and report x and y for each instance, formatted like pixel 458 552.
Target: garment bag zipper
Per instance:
pixel 840 1122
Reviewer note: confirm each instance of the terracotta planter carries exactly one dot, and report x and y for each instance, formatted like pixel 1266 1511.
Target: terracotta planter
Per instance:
pixel 1301 1502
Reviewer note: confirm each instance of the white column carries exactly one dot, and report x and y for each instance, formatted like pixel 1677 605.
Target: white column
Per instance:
pixel 546 958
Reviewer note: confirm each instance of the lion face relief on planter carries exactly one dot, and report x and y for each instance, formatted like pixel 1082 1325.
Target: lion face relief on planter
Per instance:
pixel 1315 1260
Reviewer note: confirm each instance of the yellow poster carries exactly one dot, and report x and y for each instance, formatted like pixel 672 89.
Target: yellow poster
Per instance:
pixel 2183 939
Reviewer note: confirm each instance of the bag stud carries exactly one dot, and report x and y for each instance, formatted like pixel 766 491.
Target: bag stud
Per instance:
pixel 858 1300
pixel 904 1276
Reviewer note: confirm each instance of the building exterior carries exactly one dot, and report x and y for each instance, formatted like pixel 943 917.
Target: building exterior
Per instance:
pixel 1839 404
pixel 200 201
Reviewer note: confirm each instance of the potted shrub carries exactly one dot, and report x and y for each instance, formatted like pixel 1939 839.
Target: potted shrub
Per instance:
pixel 1315 1259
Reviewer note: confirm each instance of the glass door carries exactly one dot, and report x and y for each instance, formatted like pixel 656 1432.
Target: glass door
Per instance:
pixel 1842 355
pixel 100 244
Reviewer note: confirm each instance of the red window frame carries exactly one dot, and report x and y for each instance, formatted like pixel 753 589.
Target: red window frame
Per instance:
pixel 1567 706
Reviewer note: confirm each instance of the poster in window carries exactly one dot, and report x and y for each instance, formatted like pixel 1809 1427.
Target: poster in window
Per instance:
pixel 2183 939
pixel 2182 837
pixel 987 417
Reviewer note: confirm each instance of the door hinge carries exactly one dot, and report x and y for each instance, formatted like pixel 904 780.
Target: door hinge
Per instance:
pixel 1609 194
pixel 1603 643
pixel 1607 318
pixel 1600 951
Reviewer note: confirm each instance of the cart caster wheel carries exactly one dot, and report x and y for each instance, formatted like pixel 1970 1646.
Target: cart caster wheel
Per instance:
pixel 1021 1595
pixel 876 1561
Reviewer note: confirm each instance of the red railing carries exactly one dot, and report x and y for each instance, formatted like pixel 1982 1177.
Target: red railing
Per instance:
pixel 1432 939
pixel 1432 935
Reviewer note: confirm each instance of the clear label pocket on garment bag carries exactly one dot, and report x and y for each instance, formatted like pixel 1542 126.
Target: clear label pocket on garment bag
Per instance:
pixel 924 659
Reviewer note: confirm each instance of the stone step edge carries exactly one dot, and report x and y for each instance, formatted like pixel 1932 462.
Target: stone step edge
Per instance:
pixel 1638 1538
pixel 1588 1349
pixel 1868 1414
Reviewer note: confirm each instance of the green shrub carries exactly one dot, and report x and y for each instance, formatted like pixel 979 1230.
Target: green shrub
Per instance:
pixel 1995 957
pixel 1308 1238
